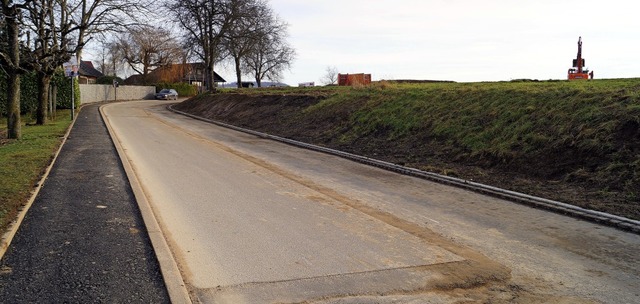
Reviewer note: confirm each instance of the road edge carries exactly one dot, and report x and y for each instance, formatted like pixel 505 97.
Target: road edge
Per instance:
pixel 611 220
pixel 9 234
pixel 178 292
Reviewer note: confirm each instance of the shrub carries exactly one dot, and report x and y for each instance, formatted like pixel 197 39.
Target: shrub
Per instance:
pixel 63 86
pixel 183 89
pixel 28 93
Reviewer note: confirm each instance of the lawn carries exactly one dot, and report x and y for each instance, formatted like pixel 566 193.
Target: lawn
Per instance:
pixel 22 162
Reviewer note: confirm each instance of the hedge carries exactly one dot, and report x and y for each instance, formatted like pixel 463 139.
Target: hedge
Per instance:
pixel 29 92
pixel 183 89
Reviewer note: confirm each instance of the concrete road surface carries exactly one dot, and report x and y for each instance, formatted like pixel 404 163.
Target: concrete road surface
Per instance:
pixel 250 220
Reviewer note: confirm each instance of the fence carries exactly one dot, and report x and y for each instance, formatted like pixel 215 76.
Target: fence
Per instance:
pixel 90 93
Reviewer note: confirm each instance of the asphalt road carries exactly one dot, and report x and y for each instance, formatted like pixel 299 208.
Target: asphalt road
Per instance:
pixel 83 240
pixel 251 220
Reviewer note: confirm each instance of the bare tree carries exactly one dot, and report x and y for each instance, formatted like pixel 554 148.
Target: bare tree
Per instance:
pixel 205 23
pixel 110 60
pixel 146 48
pixel 331 75
pixel 245 33
pixel 10 59
pixel 52 30
pixel 97 17
pixel 271 54
pixel 48 21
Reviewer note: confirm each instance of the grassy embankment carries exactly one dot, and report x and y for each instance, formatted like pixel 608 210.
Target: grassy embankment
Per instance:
pixel 22 162
pixel 583 134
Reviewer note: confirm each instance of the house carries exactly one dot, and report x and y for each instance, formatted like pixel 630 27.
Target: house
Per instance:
pixel 137 79
pixel 87 74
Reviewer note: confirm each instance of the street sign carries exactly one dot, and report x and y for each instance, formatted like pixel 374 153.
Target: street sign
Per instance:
pixel 71 67
pixel 71 70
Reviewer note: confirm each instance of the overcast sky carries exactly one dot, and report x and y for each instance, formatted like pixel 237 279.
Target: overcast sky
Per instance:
pixel 460 40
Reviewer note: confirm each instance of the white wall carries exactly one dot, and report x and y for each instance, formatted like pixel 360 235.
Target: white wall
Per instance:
pixel 90 93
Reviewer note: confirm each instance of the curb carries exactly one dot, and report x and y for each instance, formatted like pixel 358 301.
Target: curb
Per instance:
pixel 615 221
pixel 177 289
pixel 7 237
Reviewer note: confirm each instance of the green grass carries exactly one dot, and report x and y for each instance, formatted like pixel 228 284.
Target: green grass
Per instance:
pixel 23 161
pixel 496 118
pixel 313 91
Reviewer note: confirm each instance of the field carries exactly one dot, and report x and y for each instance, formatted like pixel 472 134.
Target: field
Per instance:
pixel 22 162
pixel 575 142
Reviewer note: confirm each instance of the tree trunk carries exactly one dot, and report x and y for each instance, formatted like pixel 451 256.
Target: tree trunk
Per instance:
pixel 238 72
pixel 209 77
pixel 13 77
pixel 13 106
pixel 258 72
pixel 78 53
pixel 43 98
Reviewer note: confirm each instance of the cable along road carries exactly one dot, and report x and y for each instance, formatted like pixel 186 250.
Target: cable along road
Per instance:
pixel 257 221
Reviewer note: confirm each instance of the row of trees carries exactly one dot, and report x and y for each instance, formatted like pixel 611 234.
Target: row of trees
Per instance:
pixel 256 43
pixel 40 35
pixel 246 34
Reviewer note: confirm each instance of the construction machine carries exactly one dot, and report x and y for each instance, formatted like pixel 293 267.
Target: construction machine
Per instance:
pixel 578 71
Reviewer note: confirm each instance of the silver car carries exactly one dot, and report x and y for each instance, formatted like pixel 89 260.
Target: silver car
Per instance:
pixel 167 94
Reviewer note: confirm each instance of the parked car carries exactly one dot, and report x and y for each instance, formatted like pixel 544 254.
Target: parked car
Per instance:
pixel 167 94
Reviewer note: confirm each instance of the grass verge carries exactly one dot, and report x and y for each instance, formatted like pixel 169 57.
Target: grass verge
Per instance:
pixel 22 162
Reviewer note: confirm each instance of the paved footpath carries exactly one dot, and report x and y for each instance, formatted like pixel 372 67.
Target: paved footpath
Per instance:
pixel 83 240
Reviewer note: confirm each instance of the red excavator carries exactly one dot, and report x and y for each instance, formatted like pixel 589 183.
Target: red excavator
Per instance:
pixel 578 71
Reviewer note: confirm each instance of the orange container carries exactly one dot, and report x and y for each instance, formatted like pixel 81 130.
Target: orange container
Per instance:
pixel 354 79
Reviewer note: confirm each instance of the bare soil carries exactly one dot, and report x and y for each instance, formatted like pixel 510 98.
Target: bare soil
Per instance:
pixel 284 115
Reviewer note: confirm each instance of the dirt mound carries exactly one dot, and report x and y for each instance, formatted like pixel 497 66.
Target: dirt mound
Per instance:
pixel 541 174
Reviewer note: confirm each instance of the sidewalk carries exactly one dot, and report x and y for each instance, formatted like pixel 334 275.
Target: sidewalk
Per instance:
pixel 83 240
